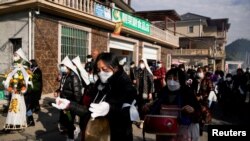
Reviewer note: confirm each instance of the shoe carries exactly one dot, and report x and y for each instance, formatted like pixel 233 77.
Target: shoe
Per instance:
pixel 76 132
pixel 31 121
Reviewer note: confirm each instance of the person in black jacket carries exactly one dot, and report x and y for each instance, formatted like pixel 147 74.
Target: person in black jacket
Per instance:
pixel 114 94
pixel 34 94
pixel 70 89
pixel 38 84
pixel 176 92
pixel 132 71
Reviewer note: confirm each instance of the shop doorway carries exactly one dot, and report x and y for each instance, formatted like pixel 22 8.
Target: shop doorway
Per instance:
pixel 125 57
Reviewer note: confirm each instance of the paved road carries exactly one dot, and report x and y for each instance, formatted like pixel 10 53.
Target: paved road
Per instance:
pixel 46 127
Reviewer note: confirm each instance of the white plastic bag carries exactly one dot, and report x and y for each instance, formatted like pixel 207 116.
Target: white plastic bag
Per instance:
pixel 134 114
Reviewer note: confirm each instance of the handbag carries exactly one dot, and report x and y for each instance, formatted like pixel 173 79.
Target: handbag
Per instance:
pixel 97 130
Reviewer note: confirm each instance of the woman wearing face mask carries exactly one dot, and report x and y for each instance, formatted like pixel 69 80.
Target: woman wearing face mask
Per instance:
pixel 70 89
pixel 176 92
pixel 159 77
pixel 145 88
pixel 112 98
pixel 227 95
pixel 199 77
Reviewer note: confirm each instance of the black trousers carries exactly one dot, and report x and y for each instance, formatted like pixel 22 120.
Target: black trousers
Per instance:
pixel 67 119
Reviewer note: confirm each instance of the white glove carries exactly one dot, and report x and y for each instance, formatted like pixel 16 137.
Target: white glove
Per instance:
pixel 61 103
pixel 100 109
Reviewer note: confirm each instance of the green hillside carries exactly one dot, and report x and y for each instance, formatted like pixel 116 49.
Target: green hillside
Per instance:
pixel 239 50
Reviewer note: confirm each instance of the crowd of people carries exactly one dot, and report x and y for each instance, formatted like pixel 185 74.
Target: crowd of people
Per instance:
pixel 101 93
pixel 196 91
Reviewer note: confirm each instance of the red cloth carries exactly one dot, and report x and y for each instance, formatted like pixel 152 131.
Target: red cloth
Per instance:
pixel 160 74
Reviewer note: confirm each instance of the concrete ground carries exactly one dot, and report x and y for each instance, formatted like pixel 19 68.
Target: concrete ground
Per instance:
pixel 46 126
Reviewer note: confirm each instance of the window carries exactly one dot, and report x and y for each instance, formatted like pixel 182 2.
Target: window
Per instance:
pixel 191 29
pixel 17 43
pixel 74 42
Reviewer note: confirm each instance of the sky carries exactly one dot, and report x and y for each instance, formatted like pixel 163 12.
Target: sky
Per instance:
pixel 237 12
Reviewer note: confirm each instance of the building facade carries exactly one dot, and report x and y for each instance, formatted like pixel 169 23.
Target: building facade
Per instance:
pixel 202 41
pixel 48 30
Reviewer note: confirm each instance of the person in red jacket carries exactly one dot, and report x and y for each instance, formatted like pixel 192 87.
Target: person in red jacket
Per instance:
pixel 159 77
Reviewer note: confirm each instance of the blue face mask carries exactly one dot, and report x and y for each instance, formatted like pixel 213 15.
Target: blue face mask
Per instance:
pixel 173 85
pixel 63 69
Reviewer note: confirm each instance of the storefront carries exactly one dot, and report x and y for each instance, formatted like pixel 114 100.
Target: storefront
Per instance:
pixel 125 48
pixel 151 52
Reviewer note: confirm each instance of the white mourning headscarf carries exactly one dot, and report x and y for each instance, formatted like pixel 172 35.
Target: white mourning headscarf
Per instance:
pixel 146 65
pixel 67 62
pixel 21 54
pixel 83 72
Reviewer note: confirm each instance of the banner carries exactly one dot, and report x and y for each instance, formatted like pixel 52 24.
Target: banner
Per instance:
pixel 131 21
pixel 102 11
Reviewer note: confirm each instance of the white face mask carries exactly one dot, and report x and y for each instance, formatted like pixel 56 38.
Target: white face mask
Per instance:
pixel 142 66
pixel 16 58
pixel 93 78
pixel 104 76
pixel 173 85
pixel 89 59
pixel 200 75
pixel 63 69
pixel 159 65
pixel 229 78
pixel 219 77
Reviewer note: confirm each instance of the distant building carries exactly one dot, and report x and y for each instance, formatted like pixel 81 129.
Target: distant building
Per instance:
pixel 202 39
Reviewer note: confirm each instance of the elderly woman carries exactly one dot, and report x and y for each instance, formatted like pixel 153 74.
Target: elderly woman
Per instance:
pixel 112 99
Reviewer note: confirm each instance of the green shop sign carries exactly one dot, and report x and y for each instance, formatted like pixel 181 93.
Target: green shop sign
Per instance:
pixel 130 21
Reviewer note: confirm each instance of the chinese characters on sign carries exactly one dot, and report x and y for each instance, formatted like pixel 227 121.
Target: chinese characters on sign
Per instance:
pixel 102 11
pixel 130 21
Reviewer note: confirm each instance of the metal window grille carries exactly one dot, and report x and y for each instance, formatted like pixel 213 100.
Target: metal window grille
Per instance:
pixel 74 42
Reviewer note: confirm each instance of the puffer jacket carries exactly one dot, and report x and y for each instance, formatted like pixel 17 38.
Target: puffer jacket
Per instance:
pixel 71 88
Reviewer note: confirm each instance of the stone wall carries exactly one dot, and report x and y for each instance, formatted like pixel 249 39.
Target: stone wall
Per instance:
pixel 46 49
pixel 46 52
pixel 99 40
